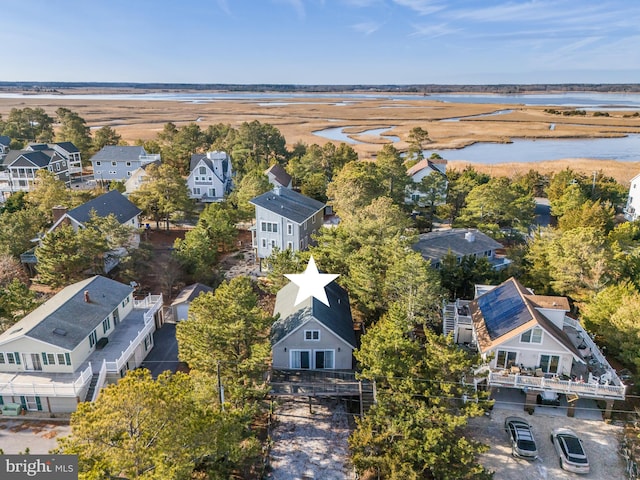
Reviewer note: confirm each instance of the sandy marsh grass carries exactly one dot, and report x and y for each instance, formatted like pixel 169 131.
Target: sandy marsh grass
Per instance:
pixel 299 117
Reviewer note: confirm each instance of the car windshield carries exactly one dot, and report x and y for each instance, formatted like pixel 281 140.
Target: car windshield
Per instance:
pixel 573 449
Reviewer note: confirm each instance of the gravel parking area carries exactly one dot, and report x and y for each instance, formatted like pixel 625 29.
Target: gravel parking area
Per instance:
pixel 601 442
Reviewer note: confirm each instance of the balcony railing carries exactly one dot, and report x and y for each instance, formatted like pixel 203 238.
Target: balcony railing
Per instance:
pixel 592 390
pixel 50 389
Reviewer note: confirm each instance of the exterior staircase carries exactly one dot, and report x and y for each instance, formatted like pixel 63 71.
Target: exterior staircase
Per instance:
pixel 92 387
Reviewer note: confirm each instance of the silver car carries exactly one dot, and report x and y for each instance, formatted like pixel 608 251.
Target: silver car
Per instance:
pixel 523 444
pixel 571 450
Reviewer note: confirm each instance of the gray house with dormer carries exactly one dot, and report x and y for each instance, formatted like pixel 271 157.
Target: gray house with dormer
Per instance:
pixel 116 162
pixel 18 168
pixel 285 219
pixel 312 335
pixel 4 146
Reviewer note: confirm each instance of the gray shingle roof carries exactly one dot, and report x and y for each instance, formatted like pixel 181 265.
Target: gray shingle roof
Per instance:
pixel 69 315
pixel 291 205
pixel 68 147
pixel 337 317
pixel 189 293
pixel 4 140
pixel 279 174
pixel 104 205
pixel 39 158
pixel 118 153
pixel 435 245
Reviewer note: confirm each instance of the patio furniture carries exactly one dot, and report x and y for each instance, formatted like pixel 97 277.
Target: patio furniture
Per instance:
pixel 539 372
pixel 11 409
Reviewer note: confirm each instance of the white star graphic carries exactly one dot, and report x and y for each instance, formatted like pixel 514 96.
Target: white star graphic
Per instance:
pixel 311 283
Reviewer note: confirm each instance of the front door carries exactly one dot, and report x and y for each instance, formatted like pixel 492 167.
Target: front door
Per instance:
pixel 32 361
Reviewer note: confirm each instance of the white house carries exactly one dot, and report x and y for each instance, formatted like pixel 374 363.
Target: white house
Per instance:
pixel 312 335
pixel 117 162
pixel 285 219
pixel 210 176
pixel 422 169
pixel 89 334
pixel 530 344
pixel 138 177
pixel 632 208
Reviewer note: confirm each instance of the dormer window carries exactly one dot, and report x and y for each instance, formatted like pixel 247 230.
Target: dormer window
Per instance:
pixel 532 336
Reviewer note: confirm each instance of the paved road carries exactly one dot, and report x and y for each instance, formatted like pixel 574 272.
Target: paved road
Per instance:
pixel 164 354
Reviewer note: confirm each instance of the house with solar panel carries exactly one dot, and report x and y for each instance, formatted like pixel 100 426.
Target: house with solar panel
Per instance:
pixel 285 219
pixel 86 336
pixel 311 335
pixel 530 344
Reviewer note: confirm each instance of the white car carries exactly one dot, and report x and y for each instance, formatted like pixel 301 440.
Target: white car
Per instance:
pixel 571 450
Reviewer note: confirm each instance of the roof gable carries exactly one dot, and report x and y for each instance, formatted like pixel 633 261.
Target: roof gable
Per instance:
pixel 336 317
pixel 289 204
pixel 112 202
pixel 279 174
pixel 189 293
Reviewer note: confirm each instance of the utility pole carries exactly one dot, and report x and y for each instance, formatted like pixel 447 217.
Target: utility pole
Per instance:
pixel 220 389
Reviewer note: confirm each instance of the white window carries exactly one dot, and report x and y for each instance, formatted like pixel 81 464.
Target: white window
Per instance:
pixel 128 164
pixel 128 174
pixel 51 359
pixel 273 243
pixel 269 227
pixel 532 336
pixel 196 191
pixel 61 359
pixel 506 359
pixel 289 229
pixel 300 359
pixel 264 243
pixel 212 192
pixel 323 359
pixel 1 357
pixel 313 335
pixel 114 164
pixel 549 363
pixel 203 170
pixel 98 164
pixel 290 245
pixel 11 359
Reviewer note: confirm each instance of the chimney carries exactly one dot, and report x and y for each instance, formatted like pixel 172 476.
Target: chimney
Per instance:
pixel 277 190
pixel 86 296
pixel 58 212
pixel 470 237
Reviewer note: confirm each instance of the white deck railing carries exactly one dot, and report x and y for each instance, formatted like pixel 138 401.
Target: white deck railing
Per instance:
pixel 133 344
pixel 102 375
pixel 50 389
pixel 595 390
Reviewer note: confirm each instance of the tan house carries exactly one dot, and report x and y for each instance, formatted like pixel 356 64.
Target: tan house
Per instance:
pixel 312 335
pixel 529 343
pixel 89 334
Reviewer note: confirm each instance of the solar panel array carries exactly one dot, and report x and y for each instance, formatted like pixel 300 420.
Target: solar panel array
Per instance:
pixel 503 309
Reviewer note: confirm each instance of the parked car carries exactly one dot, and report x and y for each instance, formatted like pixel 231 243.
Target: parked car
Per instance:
pixel 548 398
pixel 571 450
pixel 523 444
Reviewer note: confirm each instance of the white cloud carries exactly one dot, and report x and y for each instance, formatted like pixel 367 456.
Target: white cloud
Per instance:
pixel 366 27
pixel 433 31
pixel 422 7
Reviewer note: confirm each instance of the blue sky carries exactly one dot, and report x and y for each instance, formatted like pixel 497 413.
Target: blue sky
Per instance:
pixel 321 41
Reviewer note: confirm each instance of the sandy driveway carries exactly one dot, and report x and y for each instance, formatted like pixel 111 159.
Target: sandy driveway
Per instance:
pixel 310 446
pixel 600 441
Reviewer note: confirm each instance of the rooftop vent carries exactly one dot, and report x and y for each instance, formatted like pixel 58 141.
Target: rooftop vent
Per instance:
pixel 60 331
pixel 470 237
pixel 86 296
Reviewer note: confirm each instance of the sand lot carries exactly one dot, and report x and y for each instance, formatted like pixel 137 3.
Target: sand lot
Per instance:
pixel 310 445
pixel 39 436
pixel 601 441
